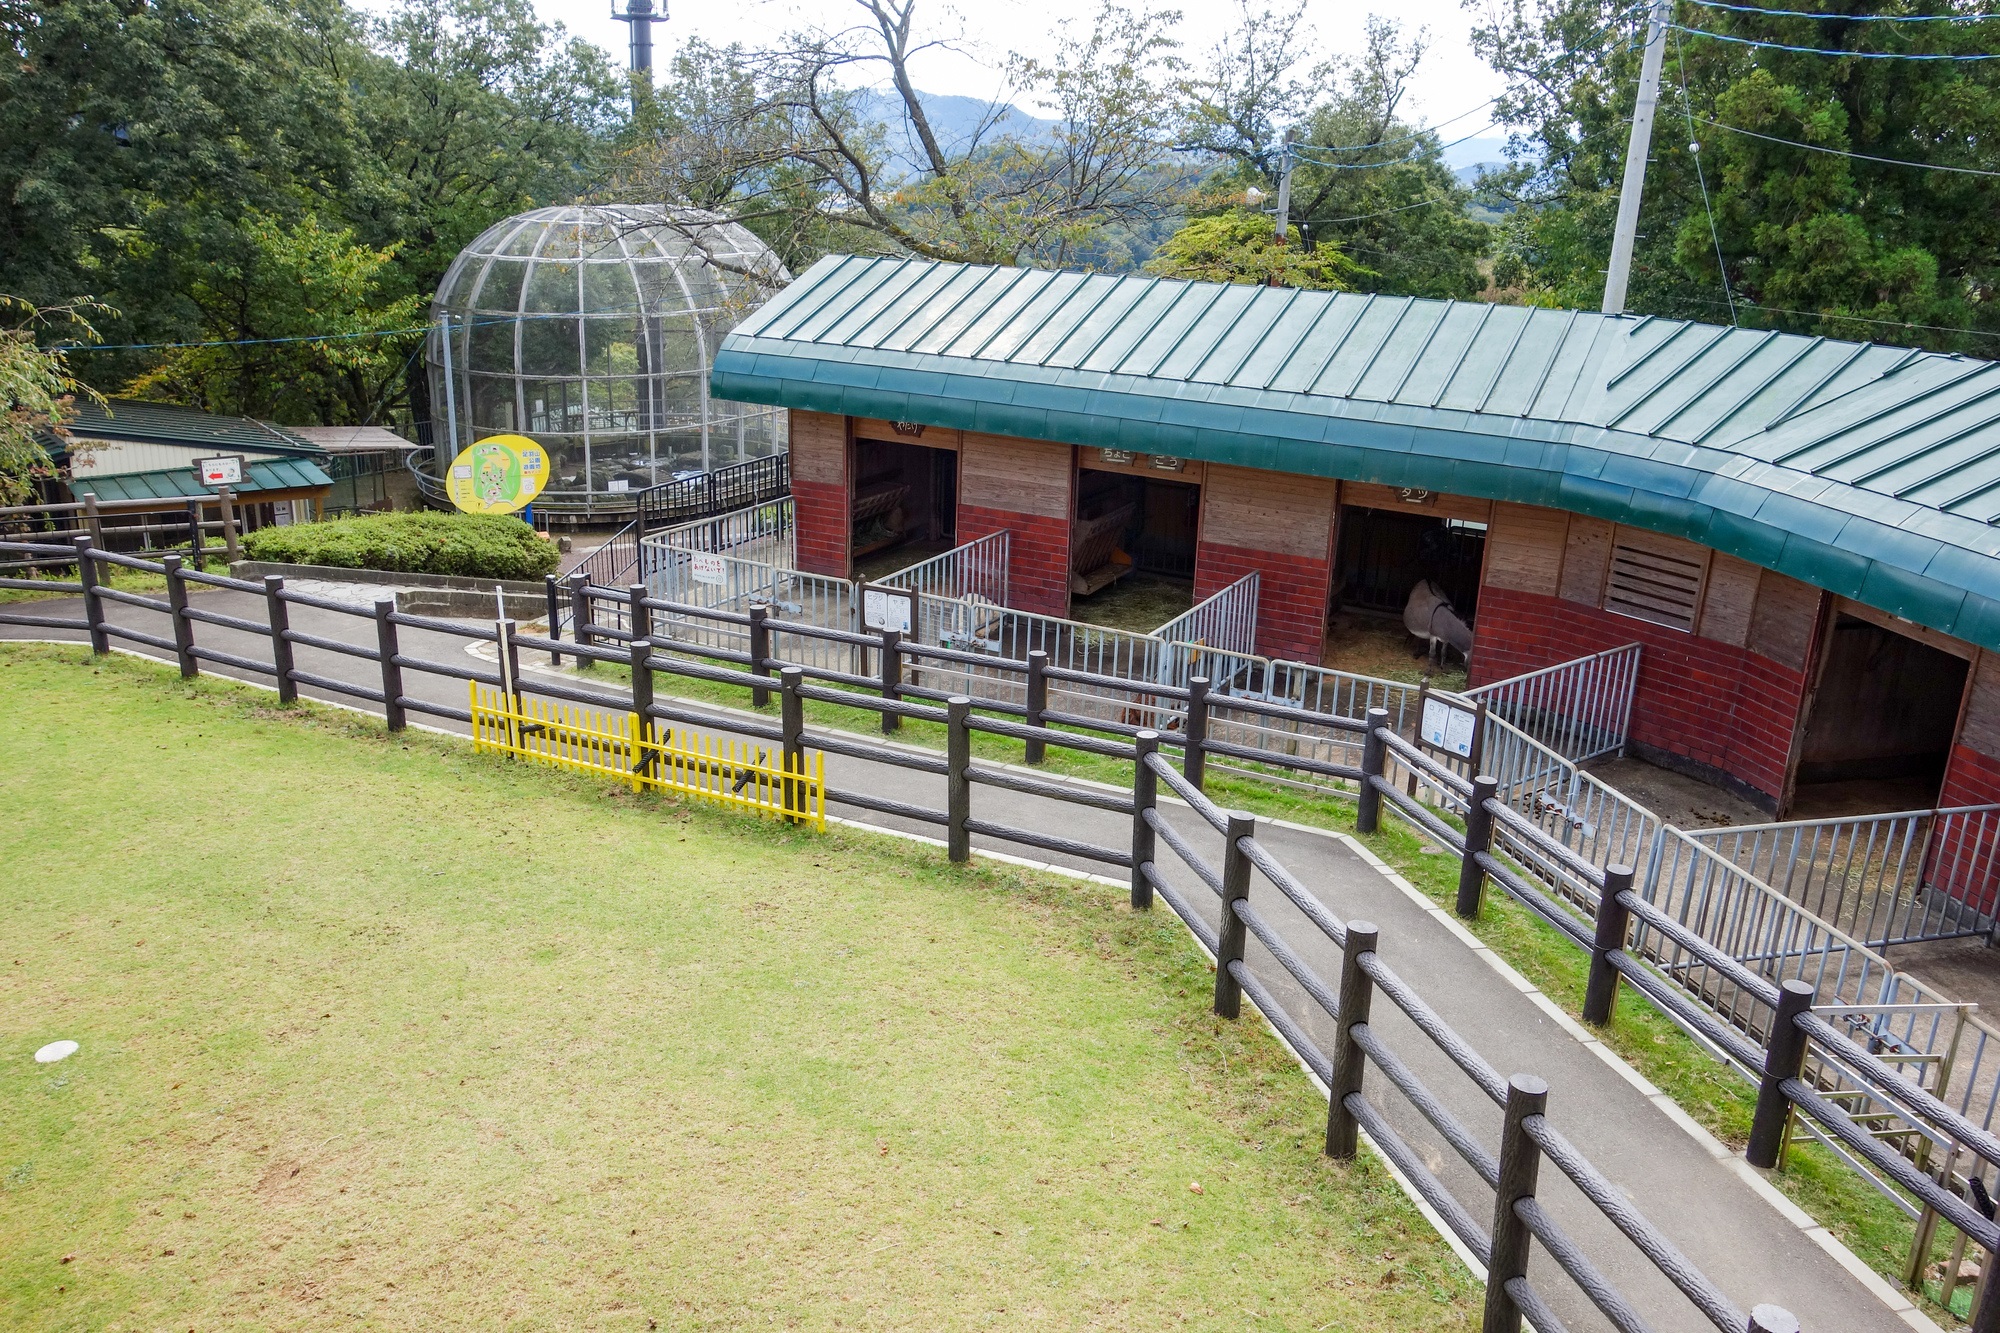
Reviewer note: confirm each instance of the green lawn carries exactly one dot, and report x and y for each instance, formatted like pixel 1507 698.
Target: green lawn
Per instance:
pixel 378 1031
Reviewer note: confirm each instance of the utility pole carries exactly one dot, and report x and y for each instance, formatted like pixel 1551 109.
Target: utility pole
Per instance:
pixel 1636 150
pixel 1285 161
pixel 1284 209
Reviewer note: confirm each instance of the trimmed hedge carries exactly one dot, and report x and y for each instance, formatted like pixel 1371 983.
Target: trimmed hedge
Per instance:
pixel 485 546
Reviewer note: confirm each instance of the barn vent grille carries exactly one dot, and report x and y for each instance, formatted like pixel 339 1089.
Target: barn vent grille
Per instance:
pixel 1652 584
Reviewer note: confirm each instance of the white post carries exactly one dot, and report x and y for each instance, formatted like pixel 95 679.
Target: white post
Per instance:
pixel 443 457
pixel 1636 149
pixel 1285 188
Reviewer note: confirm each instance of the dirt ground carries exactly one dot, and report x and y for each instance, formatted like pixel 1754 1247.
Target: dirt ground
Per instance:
pixel 1138 602
pixel 1381 647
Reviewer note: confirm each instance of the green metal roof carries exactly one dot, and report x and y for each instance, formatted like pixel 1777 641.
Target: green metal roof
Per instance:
pixel 276 474
pixel 1872 471
pixel 160 423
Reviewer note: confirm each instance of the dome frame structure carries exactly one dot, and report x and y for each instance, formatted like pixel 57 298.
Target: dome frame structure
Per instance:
pixel 591 329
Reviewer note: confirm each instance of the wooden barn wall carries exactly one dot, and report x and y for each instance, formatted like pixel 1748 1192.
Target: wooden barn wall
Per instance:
pixel 1027 487
pixel 1721 702
pixel 822 492
pixel 1280 526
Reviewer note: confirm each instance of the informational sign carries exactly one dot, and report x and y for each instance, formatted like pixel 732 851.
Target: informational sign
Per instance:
pixel 224 471
pixel 1449 727
pixel 710 568
pixel 888 609
pixel 498 475
pixel 618 484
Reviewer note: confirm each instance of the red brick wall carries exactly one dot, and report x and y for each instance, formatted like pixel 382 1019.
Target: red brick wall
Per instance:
pixel 1037 555
pixel 821 484
pixel 1291 595
pixel 1281 526
pixel 1710 704
pixel 1027 487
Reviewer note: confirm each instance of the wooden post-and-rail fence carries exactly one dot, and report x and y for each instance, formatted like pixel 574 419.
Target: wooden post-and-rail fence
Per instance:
pixel 1530 1144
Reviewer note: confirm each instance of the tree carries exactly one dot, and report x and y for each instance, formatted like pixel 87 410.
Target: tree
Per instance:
pixel 293 326
pixel 782 140
pixel 36 390
pixel 1807 233
pixel 1243 247
pixel 1365 179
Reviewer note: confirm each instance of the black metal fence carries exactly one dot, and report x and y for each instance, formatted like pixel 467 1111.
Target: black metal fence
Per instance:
pixel 1385 761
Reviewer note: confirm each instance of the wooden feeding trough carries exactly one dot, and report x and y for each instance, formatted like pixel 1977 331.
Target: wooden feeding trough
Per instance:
pixel 878 519
pixel 1097 559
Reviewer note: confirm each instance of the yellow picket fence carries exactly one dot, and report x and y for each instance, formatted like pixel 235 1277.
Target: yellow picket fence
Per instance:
pixel 742 774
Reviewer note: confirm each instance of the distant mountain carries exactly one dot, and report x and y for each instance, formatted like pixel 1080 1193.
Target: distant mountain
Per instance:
pixel 954 119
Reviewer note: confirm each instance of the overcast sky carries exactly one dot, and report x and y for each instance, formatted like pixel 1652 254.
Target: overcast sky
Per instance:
pixel 1452 79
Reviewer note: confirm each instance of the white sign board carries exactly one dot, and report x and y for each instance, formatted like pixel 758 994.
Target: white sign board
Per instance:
pixel 887 608
pixel 710 568
pixel 618 484
pixel 224 471
pixel 1448 728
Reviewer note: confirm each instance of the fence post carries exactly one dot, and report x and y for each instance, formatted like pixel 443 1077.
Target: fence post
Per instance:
pixel 1410 780
pixel 1477 758
pixel 392 675
pixel 1614 920
pixel 1194 760
pixel 760 652
pixel 579 617
pixel 177 601
pixel 1773 1319
pixel 1520 1164
pixel 641 647
pixel 1349 1060
pixel 1145 795
pixel 225 501
pixel 93 523
pixel 194 531
pixel 892 676
pixel 1230 939
pixel 958 787
pixel 1784 1057
pixel 278 615
pixel 552 590
pixel 93 605
pixel 1374 759
pixel 1038 703
pixel 792 730
pixel 1478 841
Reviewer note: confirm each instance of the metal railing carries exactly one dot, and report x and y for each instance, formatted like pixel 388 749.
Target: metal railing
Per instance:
pixel 1888 879
pixel 648 645
pixel 974 571
pixel 726 488
pixel 1580 709
pixel 1225 621
pixel 767 531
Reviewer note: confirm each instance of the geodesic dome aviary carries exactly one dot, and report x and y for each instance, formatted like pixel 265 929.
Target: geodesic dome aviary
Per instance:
pixel 591 329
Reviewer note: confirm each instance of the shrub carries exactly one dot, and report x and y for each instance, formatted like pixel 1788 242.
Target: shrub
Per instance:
pixel 486 546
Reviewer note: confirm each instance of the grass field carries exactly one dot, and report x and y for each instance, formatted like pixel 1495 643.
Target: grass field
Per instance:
pixel 379 1032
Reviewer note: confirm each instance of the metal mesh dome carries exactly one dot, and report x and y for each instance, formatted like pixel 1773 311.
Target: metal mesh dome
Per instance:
pixel 591 330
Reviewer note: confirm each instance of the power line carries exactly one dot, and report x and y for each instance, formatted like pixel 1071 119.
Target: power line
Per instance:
pixel 1701 177
pixel 1748 304
pixel 1846 18
pixel 1842 152
pixel 1823 51
pixel 1417 156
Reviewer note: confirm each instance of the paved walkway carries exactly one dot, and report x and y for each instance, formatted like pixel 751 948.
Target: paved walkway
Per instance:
pixel 1731 1223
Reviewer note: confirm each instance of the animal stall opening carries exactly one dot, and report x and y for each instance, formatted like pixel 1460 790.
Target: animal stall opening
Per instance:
pixel 1884 714
pixel 1129 524
pixel 1385 553
pixel 905 495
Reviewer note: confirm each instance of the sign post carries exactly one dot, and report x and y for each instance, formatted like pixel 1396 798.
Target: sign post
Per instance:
pixel 224 471
pixel 497 475
pixel 887 608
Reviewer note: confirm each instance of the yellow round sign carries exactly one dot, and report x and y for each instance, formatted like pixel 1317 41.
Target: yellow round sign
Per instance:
pixel 497 475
